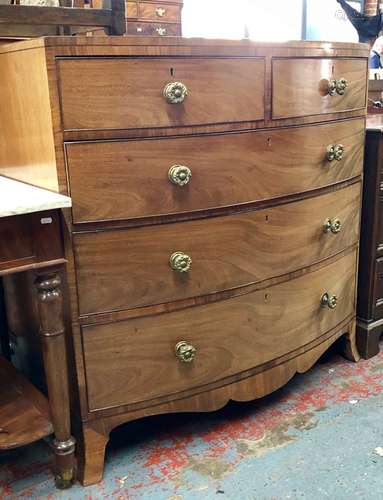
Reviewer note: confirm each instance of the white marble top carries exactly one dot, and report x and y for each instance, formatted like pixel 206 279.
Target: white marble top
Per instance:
pixel 18 198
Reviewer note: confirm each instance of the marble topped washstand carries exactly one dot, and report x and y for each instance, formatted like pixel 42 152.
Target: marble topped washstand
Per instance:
pixel 30 236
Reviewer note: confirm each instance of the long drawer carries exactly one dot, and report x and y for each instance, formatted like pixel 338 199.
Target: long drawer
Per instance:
pixel 128 179
pixel 141 359
pixel 128 93
pixel 301 86
pixel 121 269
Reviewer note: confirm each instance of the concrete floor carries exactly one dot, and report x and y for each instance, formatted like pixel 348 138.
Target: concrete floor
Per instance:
pixel 313 439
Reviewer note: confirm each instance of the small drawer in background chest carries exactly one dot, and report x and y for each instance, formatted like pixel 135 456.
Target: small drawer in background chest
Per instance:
pixel 143 11
pixel 153 29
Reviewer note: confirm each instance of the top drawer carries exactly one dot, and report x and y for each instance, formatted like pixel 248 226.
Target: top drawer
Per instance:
pixel 166 13
pixel 301 86
pixel 128 93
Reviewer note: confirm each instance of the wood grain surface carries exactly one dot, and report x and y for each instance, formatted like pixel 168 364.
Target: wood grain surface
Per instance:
pixel 126 179
pixel 127 268
pixel 135 91
pixel 135 361
pixel 299 86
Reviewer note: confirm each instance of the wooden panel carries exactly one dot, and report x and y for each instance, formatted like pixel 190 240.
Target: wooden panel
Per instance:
pixel 28 241
pixel 153 29
pixel 300 86
pixel 134 360
pixel 26 138
pixel 18 236
pixel 126 268
pixel 127 179
pixel 220 90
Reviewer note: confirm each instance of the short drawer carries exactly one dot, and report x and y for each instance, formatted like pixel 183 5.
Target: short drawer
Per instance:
pixel 128 93
pixel 154 12
pixel 122 269
pixel 153 29
pixel 130 179
pixel 135 360
pixel 301 86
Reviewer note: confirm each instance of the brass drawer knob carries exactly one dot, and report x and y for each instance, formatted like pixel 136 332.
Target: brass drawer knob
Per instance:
pixel 185 352
pixel 337 86
pixel 175 92
pixel 335 152
pixel 180 262
pixel 179 175
pixel 329 301
pixel 332 87
pixel 341 86
pixel 161 31
pixel 332 225
pixel 160 12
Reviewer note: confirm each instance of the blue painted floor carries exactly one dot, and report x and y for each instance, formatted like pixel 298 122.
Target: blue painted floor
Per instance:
pixel 313 439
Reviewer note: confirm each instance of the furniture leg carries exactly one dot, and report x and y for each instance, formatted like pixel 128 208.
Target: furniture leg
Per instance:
pixel 368 337
pixel 55 364
pixel 90 456
pixel 350 350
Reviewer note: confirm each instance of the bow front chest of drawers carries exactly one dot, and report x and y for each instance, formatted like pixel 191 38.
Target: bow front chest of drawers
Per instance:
pixel 213 239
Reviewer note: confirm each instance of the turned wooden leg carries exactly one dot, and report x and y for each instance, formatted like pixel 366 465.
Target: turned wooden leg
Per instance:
pixel 350 350
pixel 56 372
pixel 90 456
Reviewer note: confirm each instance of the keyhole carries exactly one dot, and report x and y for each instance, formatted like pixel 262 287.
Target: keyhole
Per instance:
pixel 172 72
pixel 269 141
pixel 332 70
pixel 266 297
pixel 266 218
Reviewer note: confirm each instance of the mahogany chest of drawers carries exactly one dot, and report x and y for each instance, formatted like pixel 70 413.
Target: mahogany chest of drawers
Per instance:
pixel 154 18
pixel 213 243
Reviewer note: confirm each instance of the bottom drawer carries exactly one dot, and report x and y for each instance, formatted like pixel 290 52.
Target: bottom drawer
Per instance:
pixel 153 29
pixel 135 360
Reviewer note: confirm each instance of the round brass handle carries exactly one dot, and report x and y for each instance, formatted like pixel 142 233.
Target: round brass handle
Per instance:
pixel 160 12
pixel 332 87
pixel 337 86
pixel 341 86
pixel 175 92
pixel 180 262
pixel 161 31
pixel 329 301
pixel 185 352
pixel 335 152
pixel 332 225
pixel 179 175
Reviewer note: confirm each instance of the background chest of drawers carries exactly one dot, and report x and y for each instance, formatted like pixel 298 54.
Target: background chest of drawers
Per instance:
pixel 154 18
pixel 213 241
pixel 370 286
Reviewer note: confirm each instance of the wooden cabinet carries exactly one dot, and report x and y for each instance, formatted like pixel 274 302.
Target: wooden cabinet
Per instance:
pixel 370 288
pixel 213 241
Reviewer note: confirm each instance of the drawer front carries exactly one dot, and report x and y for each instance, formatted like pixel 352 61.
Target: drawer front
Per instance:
pixel 134 360
pixel 129 179
pixel 163 12
pixel 128 93
pixel 153 29
pixel 122 269
pixel 300 86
